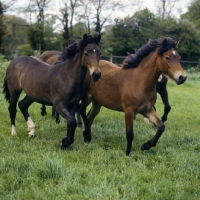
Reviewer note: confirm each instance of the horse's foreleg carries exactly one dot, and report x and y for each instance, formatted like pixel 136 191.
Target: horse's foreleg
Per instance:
pixel 71 124
pixel 167 107
pixel 24 105
pixel 129 116
pixel 152 116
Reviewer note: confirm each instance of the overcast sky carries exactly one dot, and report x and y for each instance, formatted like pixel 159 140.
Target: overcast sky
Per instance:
pixel 129 10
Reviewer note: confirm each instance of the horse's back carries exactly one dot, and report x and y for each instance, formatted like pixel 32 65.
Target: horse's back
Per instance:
pixel 50 57
pixel 24 68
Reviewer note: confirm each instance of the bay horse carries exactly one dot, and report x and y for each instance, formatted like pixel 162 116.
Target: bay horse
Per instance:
pixel 46 84
pixel 131 88
pixel 52 58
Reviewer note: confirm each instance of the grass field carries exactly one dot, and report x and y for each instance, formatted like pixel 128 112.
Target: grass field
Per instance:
pixel 36 168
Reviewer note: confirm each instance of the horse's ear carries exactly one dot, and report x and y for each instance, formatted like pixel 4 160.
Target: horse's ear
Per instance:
pixel 164 42
pixel 97 37
pixel 85 37
pixel 177 43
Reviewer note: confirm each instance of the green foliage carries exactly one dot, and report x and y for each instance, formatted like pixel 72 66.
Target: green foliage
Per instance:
pixel 193 13
pixel 132 32
pixel 25 49
pixel 36 168
pixel 35 36
pixel 2 24
pixel 52 40
pixel 15 34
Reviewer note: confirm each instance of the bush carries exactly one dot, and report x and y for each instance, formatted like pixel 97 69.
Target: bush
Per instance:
pixel 25 50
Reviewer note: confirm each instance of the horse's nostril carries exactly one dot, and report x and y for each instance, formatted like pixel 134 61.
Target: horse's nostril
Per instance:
pixel 181 79
pixel 96 76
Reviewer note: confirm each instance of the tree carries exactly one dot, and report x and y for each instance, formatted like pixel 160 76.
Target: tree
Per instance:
pixel 193 13
pixel 3 8
pixel 102 11
pixel 2 25
pixel 167 8
pixel 67 18
pixel 132 32
pixel 16 28
pixel 36 31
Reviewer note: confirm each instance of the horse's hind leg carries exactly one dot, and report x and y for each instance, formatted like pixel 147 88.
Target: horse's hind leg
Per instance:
pixel 14 96
pixel 152 116
pixel 88 120
pixel 55 115
pixel 23 105
pixel 43 110
pixel 78 117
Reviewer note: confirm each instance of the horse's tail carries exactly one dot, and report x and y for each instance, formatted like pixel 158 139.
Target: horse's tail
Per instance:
pixel 6 90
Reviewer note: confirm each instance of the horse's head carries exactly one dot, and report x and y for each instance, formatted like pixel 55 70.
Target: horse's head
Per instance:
pixel 91 55
pixel 169 62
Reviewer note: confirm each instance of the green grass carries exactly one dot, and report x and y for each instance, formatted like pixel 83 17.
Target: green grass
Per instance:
pixel 36 168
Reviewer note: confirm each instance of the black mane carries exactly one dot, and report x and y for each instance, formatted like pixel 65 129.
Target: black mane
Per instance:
pixel 160 45
pixel 78 45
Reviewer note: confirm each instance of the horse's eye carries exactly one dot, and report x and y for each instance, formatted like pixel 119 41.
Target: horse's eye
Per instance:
pixel 167 58
pixel 86 54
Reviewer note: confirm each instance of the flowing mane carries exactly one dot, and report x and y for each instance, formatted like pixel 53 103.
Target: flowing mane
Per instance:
pixel 160 45
pixel 77 46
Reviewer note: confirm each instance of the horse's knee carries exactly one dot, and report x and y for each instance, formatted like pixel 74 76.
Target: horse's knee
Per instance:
pixel 167 108
pixel 73 123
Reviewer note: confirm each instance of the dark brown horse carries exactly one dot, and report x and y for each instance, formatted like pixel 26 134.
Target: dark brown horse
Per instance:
pixel 161 89
pixel 132 87
pixel 52 58
pixel 61 85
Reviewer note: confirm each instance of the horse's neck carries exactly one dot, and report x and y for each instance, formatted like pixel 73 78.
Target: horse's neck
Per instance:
pixel 76 68
pixel 149 70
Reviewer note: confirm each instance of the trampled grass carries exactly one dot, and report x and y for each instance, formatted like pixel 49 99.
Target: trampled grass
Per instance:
pixel 36 168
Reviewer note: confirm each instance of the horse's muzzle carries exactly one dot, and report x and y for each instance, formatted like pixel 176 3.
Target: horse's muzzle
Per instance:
pixel 96 76
pixel 181 79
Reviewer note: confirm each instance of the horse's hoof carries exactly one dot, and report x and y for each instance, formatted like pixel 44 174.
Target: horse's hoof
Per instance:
pixel 87 139
pixel 87 136
pixel 146 146
pixel 30 135
pixel 43 113
pixel 65 143
pixel 58 121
